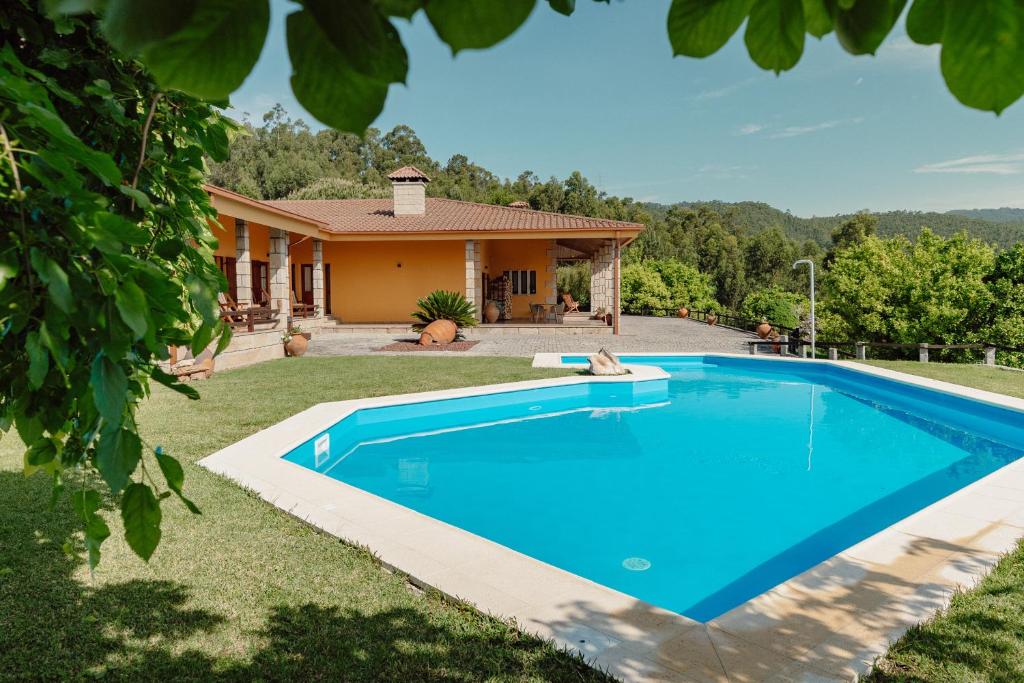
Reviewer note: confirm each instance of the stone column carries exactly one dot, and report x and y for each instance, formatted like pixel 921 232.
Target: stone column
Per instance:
pixel 280 303
pixel 601 278
pixel 474 286
pixel 243 262
pixel 551 273
pixel 318 278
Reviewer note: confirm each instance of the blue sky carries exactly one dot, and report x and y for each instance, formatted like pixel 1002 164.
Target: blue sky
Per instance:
pixel 600 92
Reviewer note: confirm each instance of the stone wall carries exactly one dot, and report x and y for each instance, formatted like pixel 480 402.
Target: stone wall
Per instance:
pixel 474 285
pixel 602 274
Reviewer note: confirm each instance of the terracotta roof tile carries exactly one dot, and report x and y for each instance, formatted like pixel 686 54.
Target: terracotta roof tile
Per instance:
pixel 442 215
pixel 408 173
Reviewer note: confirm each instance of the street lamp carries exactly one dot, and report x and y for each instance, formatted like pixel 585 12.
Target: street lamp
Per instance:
pixel 810 264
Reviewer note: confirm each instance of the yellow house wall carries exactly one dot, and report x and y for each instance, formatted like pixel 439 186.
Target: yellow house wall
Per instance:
pixel 505 255
pixel 367 286
pixel 224 230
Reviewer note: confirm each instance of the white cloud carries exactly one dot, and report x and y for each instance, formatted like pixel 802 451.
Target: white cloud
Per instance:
pixel 725 171
pixel 994 164
pixel 902 51
pixel 859 81
pixel 724 91
pixel 750 129
pixel 794 131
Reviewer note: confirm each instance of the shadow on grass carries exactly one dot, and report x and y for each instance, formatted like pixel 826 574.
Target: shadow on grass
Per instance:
pixel 53 625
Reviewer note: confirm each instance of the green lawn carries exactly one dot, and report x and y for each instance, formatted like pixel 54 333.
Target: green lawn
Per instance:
pixel 1009 382
pixel 981 636
pixel 244 591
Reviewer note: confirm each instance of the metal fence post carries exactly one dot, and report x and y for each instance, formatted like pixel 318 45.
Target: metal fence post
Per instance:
pixel 990 355
pixel 922 353
pixel 862 351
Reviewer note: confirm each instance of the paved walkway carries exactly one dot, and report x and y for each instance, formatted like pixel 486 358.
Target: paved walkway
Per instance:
pixel 638 334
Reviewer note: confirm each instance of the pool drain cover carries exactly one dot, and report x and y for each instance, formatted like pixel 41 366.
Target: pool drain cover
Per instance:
pixel 636 564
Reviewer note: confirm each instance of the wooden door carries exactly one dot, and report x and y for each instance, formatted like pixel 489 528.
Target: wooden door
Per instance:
pixel 307 283
pixel 260 283
pixel 327 289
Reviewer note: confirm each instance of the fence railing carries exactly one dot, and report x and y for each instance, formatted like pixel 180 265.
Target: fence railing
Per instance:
pixel 837 349
pixel 733 322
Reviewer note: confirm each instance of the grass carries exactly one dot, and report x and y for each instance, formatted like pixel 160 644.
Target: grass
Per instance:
pixel 980 637
pixel 244 591
pixel 1009 382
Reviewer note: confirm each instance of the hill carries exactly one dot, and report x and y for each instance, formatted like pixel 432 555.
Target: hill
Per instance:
pixel 1005 214
pixel 758 216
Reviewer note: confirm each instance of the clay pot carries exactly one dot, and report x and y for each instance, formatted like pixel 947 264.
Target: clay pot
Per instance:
pixel 438 332
pixel 683 312
pixel 764 329
pixel 608 319
pixel 491 312
pixel 297 345
pixel 712 319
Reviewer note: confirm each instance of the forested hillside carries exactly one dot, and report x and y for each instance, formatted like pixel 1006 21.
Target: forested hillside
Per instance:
pixel 1001 227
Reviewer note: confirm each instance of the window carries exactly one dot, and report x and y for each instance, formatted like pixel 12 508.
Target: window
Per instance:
pixel 523 281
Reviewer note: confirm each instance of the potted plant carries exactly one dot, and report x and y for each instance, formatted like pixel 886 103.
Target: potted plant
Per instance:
pixel 441 317
pixel 295 341
pixel 712 317
pixel 764 329
pixel 683 312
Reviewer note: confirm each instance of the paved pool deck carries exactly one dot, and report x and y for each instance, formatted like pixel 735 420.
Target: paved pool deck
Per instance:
pixel 638 334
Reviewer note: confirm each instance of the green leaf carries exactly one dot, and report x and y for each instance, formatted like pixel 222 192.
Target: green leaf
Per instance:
pixel 699 28
pixel 175 477
pixel 120 228
pixel 475 24
pixel 54 277
pixel 983 53
pixel 171 382
pixel 400 8
pixel 38 360
pixel 140 197
pixel 202 338
pixel 566 7
pixel 109 388
pixel 775 34
pixel 862 28
pixel 117 455
pixel 817 18
pixel 131 304
pixel 140 511
pixel 86 504
pixel 41 452
pixel 213 53
pixel 131 25
pixel 362 35
pixel 926 21
pixel 324 85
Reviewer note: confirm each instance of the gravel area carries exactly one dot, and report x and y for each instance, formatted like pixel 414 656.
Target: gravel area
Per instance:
pixel 416 347
pixel 638 334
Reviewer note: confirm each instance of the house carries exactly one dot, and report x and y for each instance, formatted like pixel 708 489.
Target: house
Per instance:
pixel 364 262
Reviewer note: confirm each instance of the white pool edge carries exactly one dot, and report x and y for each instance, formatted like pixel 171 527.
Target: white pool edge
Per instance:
pixel 830 621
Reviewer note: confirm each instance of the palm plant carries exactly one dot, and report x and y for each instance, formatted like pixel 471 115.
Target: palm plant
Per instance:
pixel 444 305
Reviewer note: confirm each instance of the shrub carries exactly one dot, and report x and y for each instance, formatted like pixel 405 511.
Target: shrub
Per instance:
pixel 642 287
pixel 687 286
pixel 444 305
pixel 575 279
pixel 777 305
pixel 340 188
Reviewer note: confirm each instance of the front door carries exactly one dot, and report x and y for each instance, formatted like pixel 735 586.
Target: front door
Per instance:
pixel 260 283
pixel 307 283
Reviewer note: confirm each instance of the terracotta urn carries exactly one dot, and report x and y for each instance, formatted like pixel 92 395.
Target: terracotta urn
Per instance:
pixel 438 332
pixel 491 312
pixel 683 312
pixel 764 329
pixel 297 345
pixel 712 318
pixel 774 337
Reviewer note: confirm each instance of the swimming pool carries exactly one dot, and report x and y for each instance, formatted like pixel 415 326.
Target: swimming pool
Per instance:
pixel 694 494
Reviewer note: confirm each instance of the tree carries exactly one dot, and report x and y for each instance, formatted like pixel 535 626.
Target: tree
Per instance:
pixel 852 231
pixel 345 55
pixel 687 286
pixel 339 188
pixel 105 262
pixel 779 307
pixel 642 288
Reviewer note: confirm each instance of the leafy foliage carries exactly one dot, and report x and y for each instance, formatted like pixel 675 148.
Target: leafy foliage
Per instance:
pixel 105 262
pixel 575 279
pixel 345 55
pixel 778 306
pixel 641 289
pixel 444 305
pixel 686 285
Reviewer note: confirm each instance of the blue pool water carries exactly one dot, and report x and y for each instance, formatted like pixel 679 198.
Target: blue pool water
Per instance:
pixel 695 494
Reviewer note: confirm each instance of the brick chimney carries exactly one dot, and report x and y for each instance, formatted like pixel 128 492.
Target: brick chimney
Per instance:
pixel 409 189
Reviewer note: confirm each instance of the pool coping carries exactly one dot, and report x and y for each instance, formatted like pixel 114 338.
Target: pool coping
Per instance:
pixel 828 623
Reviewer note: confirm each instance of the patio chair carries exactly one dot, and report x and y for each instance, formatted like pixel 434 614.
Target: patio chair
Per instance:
pixel 557 314
pixel 571 305
pixel 302 310
pixel 230 310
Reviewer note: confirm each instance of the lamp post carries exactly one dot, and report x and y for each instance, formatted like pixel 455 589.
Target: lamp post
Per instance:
pixel 810 264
